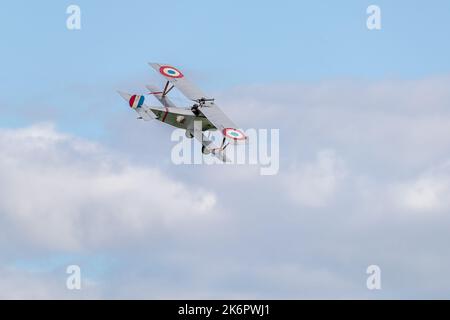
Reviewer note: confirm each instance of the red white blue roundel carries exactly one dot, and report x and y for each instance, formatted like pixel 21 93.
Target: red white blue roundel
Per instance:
pixel 136 101
pixel 171 72
pixel 234 134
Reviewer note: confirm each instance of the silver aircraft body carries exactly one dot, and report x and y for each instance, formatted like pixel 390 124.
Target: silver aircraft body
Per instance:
pixel 203 115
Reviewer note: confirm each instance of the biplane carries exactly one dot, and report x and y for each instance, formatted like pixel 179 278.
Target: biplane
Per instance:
pixel 202 116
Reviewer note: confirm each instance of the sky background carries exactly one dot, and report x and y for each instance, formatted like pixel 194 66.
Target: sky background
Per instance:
pixel 364 119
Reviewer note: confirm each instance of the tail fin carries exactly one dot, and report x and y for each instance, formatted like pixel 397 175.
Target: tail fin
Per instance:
pixel 137 103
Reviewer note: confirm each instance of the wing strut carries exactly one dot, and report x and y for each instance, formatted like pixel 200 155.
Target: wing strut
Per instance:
pixel 166 90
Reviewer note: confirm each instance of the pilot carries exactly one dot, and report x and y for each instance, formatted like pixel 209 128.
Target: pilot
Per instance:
pixel 195 110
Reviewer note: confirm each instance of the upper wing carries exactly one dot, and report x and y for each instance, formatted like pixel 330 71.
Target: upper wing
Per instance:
pixel 206 105
pixel 177 78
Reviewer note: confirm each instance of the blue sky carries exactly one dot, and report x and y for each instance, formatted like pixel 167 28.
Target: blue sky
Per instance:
pixel 223 45
pixel 233 42
pixel 364 176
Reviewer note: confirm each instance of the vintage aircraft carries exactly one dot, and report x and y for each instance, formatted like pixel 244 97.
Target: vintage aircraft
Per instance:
pixel 204 111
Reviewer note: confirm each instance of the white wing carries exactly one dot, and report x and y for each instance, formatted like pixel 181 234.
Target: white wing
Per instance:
pixel 176 77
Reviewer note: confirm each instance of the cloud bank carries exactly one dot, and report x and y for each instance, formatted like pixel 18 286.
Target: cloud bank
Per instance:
pixel 364 179
pixel 62 192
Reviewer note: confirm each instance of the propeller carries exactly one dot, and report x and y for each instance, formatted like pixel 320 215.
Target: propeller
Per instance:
pixel 202 101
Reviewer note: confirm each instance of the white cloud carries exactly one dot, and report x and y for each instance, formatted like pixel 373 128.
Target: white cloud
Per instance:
pixel 61 192
pixel 430 192
pixel 363 154
pixel 19 284
pixel 391 123
pixel 315 184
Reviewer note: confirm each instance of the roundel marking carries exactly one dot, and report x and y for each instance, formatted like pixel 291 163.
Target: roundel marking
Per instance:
pixel 234 134
pixel 171 72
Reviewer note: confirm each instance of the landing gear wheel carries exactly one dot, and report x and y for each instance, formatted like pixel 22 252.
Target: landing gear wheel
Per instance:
pixel 189 134
pixel 205 151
